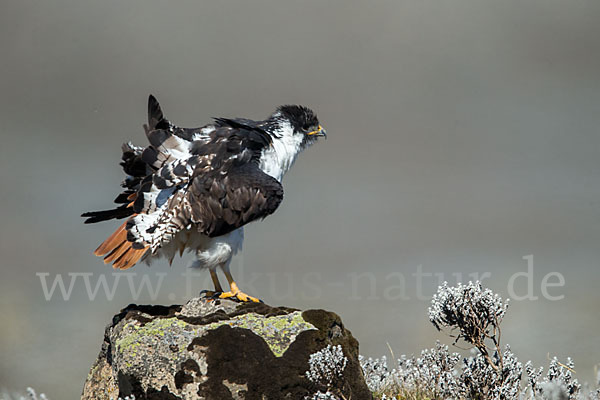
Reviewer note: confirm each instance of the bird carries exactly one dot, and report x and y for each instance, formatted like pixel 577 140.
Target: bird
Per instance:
pixel 194 189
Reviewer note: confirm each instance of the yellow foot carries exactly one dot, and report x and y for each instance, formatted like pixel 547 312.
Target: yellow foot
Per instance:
pixel 239 296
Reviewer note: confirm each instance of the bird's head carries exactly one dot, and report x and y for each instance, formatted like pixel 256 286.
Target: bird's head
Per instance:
pixel 297 123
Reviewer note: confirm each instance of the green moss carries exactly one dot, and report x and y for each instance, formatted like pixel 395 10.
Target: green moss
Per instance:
pixel 277 331
pixel 155 328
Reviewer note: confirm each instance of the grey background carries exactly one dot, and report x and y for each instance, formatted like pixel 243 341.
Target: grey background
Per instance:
pixel 463 136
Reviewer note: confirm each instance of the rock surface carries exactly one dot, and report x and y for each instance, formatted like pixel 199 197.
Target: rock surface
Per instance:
pixel 219 350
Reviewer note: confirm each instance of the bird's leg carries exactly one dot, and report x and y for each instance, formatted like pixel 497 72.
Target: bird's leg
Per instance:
pixel 215 279
pixel 218 288
pixel 234 292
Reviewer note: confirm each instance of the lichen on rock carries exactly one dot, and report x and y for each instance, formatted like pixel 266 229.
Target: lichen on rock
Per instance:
pixel 219 350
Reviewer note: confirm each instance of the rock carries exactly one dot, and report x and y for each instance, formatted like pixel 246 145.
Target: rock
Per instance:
pixel 220 350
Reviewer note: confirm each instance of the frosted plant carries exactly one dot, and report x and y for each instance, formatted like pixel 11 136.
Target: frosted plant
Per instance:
pixel 31 395
pixel 595 395
pixel 533 376
pixel 481 380
pixel 553 391
pixel 558 383
pixel 433 372
pixel 563 375
pixel 490 372
pixel 509 385
pixel 326 365
pixel 322 396
pixel 478 376
pixel 475 312
pixel 376 372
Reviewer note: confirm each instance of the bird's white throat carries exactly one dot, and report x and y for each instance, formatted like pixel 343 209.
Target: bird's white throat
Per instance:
pixel 278 158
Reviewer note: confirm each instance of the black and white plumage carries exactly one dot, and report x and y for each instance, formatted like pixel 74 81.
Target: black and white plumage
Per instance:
pixel 196 188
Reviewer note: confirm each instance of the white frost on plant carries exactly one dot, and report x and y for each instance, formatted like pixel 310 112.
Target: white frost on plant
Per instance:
pixel 31 395
pixel 326 365
pixel 376 372
pixel 491 372
pixel 470 308
pixel 322 396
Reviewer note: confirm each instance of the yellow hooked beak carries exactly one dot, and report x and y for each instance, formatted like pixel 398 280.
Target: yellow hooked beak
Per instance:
pixel 319 132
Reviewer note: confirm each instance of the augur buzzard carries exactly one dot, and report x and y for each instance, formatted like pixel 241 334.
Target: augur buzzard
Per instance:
pixel 195 188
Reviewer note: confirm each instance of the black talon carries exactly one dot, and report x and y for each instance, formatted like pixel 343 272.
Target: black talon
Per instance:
pixel 210 294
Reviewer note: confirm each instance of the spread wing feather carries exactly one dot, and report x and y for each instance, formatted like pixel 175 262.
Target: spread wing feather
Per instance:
pixel 222 203
pixel 203 177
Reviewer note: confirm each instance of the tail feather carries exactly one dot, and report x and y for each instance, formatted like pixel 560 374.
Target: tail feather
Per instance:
pixel 139 165
pixel 129 258
pixel 118 250
pixel 116 253
pixel 112 241
pixel 105 215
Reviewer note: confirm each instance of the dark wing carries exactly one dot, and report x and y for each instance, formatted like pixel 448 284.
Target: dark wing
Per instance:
pixel 136 170
pixel 220 188
pixel 169 146
pixel 222 203
pixel 157 121
pixel 206 176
